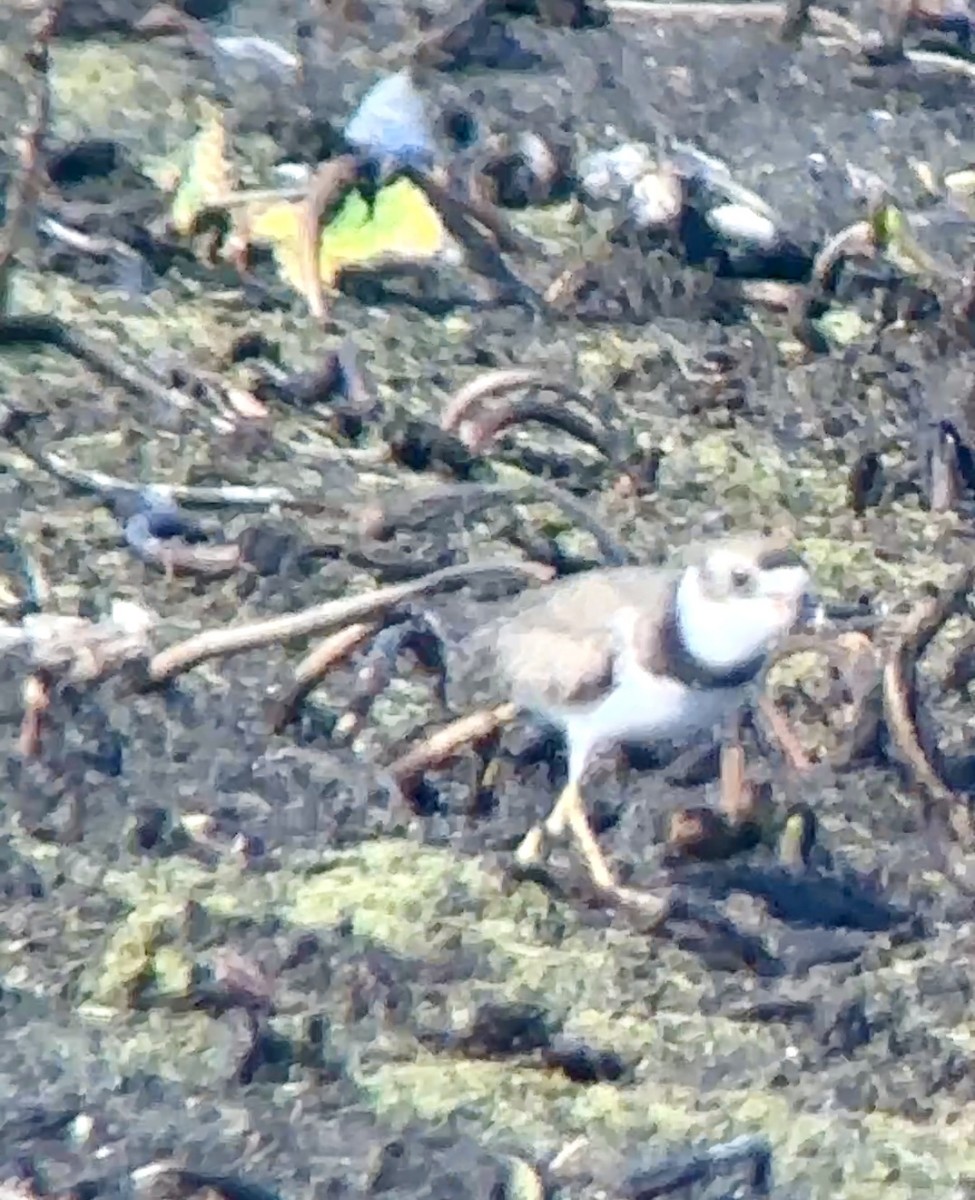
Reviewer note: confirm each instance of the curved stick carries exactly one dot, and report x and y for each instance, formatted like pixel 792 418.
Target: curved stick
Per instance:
pixel 900 683
pixel 331 184
pixel 482 431
pixel 838 655
pixel 447 742
pixel 334 614
pixel 404 510
pixel 497 383
pixel 313 668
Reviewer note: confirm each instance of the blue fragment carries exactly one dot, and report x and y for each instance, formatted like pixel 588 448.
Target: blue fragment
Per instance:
pixel 158 518
pixel 391 124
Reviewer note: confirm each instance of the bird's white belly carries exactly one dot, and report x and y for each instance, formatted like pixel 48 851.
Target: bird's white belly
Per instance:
pixel 644 707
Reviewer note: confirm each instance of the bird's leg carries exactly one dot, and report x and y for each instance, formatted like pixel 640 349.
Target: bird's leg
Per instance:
pixel 569 813
pixel 570 810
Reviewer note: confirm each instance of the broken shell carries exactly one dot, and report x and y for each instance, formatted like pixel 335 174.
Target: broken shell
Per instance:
pixel 609 174
pixel 656 200
pixel 258 50
pixel 961 183
pixel 539 156
pixel 742 224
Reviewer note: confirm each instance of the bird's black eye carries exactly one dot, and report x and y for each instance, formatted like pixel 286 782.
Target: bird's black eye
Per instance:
pixel 741 579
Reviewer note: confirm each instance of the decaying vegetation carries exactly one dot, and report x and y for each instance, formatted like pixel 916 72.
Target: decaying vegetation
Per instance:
pixel 256 868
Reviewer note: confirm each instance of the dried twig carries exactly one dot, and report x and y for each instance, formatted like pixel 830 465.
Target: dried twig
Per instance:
pixel 24 190
pixel 496 383
pixel 480 433
pixel 474 209
pixel 900 715
pixel 37 700
pixel 855 241
pixel 331 184
pixel 900 685
pixel 790 744
pixel 224 495
pixel 842 655
pixel 465 412
pixel 822 21
pixel 335 614
pixel 941 62
pixel 467 223
pixel 418 632
pixel 446 743
pixel 313 668
pixel 30 330
pixel 406 510
pixel 99 247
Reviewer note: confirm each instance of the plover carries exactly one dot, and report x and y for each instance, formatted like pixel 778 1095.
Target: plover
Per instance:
pixel 638 654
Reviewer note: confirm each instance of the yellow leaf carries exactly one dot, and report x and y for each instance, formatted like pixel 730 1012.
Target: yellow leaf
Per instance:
pixel 403 227
pixel 209 177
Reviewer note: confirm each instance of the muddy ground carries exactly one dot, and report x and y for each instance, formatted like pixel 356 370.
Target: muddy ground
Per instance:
pixel 435 1030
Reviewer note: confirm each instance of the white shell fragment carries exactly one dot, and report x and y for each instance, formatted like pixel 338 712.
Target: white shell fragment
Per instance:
pixel 609 174
pixel 739 223
pixel 258 50
pixel 293 173
pixel 656 200
pixel 538 155
pixel 391 122
pixel 716 175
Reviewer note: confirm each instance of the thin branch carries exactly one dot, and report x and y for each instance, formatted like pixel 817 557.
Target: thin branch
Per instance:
pixel 900 697
pixel 31 329
pixel 477 426
pixel 772 12
pixel 419 632
pixel 414 511
pixel 855 241
pixel 217 643
pixel 226 495
pixel 313 668
pixel 494 383
pixel 821 20
pixel 332 183
pixel 446 743
pixel 24 190
pixel 482 431
pixel 482 250
pixel 842 657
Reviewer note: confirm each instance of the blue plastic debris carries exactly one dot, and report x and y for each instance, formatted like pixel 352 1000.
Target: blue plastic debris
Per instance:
pixel 391 124
pixel 155 517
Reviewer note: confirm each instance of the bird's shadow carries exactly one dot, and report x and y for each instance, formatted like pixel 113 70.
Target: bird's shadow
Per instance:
pixel 814 897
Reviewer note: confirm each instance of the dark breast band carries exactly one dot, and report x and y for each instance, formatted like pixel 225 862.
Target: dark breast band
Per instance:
pixel 663 651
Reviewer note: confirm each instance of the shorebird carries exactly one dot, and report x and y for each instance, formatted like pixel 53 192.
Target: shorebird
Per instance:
pixel 638 654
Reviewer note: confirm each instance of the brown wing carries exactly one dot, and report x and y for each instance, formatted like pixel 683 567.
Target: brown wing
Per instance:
pixel 549 668
pixel 559 648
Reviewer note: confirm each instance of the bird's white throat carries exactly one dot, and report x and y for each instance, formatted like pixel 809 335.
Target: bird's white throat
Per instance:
pixel 725 632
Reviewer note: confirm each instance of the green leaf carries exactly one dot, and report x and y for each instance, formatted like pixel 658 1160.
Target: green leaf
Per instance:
pixel 841 326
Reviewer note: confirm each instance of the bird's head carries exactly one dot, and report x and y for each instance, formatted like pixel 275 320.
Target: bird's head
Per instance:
pixel 736 598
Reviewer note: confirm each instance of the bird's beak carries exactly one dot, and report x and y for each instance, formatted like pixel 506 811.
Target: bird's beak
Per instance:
pixel 810 614
pixel 790 588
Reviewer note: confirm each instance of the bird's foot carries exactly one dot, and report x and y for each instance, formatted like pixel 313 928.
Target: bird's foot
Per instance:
pixel 531 849
pixel 568 814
